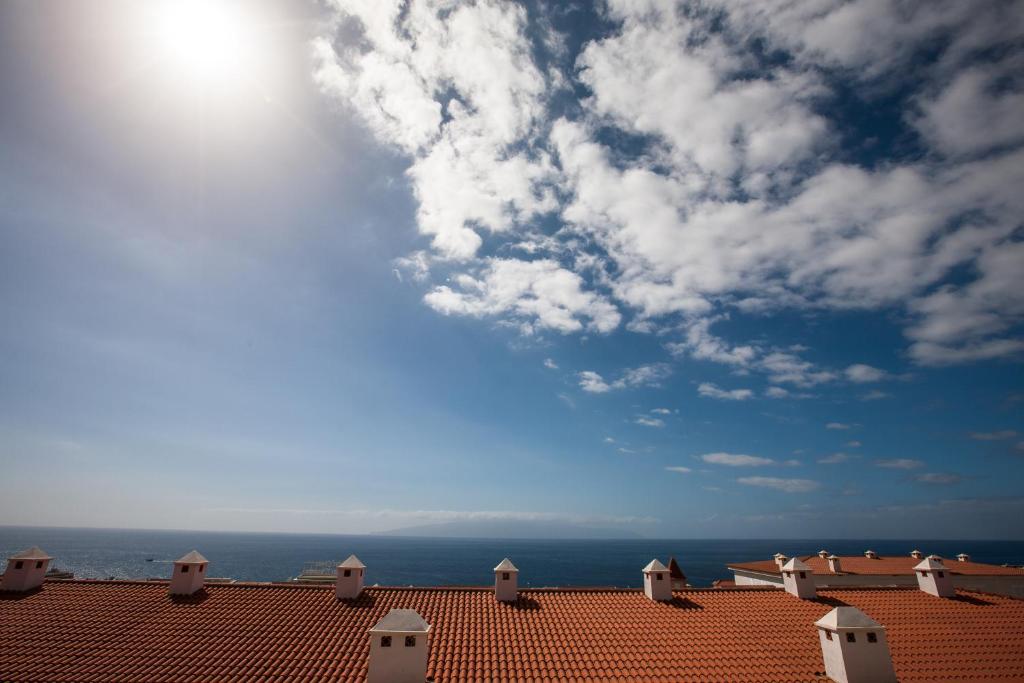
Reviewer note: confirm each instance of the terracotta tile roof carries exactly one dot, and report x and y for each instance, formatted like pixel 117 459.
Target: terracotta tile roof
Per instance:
pixel 133 631
pixel 858 564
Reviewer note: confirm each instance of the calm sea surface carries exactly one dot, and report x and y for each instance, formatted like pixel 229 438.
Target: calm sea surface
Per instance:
pixel 396 561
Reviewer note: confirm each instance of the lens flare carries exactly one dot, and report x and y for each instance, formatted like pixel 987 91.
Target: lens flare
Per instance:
pixel 205 40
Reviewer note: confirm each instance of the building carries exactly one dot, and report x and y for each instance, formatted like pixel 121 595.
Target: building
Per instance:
pixel 77 630
pixel 871 569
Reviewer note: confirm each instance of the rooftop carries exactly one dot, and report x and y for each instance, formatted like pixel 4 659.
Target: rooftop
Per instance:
pixel 133 631
pixel 858 564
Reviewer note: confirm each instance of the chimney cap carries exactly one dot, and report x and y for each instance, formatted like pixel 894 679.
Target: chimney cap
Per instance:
pixel 655 566
pixel 192 558
pixel 352 563
pixel 401 621
pixel 832 557
pixel 796 565
pixel 823 553
pixel 846 617
pixel 506 566
pixel 33 553
pixel 929 564
pixel 937 558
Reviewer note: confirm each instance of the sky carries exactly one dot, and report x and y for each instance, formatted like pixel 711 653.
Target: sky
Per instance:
pixel 708 269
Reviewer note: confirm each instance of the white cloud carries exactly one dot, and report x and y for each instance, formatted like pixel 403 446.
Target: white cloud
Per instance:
pixel 681 470
pixel 739 199
pixel 709 390
pixel 736 459
pixel 853 444
pixel 550 364
pixel 874 395
pixel 537 294
pixel 649 421
pixel 609 439
pixel 899 464
pixel 593 382
pixel 792 463
pixel 776 392
pixel 994 436
pixel 785 485
pixel 861 373
pixel 661 411
pixel 838 425
pixel 939 478
pixel 835 459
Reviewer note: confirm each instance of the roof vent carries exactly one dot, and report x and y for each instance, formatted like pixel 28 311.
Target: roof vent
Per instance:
pixel 854 647
pixel 189 574
pixel 676 572
pixel 506 581
pixel 934 578
pixel 348 583
pixel 780 560
pixel 823 554
pixel 657 582
pixel 916 554
pixel 963 557
pixel 25 570
pixel 871 554
pixel 798 579
pixel 399 648
pixel 834 564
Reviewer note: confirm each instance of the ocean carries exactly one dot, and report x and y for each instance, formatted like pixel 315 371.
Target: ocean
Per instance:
pixel 406 561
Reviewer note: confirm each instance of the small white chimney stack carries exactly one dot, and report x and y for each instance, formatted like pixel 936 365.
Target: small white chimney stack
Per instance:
pixel 854 647
pixel 871 554
pixel 506 581
pixel 823 554
pixel 348 583
pixel 963 557
pixel 657 583
pixel 189 574
pixel 799 579
pixel 780 560
pixel 834 564
pixel 916 554
pixel 933 578
pixel 398 648
pixel 25 570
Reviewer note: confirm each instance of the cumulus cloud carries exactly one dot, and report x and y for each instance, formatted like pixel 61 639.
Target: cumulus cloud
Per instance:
pixel 679 469
pixel 649 421
pixel 838 426
pixel 661 411
pixel 862 373
pixel 785 485
pixel 736 459
pixel 994 436
pixel 709 390
pixel 550 364
pixel 939 478
pixel 642 376
pixel 737 196
pixel 900 464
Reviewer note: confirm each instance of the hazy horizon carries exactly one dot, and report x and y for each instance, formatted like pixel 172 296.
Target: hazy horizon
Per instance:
pixel 715 270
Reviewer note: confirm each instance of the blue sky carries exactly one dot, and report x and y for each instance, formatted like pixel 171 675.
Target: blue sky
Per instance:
pixel 695 270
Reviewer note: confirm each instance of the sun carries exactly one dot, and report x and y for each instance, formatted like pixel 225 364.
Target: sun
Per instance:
pixel 204 41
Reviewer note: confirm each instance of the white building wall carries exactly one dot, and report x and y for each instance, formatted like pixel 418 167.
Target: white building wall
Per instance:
pixel 398 663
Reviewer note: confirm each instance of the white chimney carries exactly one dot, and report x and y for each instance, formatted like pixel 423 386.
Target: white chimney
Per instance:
pixel 823 554
pixel 834 564
pixel 854 647
pixel 963 557
pixel 657 583
pixel 349 581
pixel 780 560
pixel 933 578
pixel 871 554
pixel 916 554
pixel 506 581
pixel 25 570
pixel 189 574
pixel 399 648
pixel 798 579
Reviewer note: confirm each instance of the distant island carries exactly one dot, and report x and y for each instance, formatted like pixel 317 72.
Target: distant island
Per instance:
pixel 512 529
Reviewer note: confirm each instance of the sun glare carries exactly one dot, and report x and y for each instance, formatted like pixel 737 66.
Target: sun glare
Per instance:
pixel 205 40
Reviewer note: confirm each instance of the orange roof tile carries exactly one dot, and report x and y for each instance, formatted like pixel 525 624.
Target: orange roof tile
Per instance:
pixel 134 631
pixel 858 564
